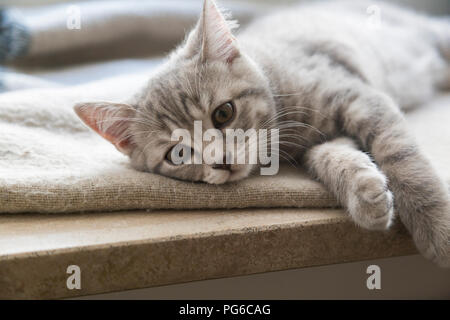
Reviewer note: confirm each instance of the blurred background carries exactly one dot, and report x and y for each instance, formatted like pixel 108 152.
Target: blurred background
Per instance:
pixel 56 42
pixel 431 6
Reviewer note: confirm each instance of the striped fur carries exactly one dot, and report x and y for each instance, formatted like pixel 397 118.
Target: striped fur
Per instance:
pixel 333 86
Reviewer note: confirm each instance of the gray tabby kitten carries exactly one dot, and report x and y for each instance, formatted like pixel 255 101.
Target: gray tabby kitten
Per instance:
pixel 333 84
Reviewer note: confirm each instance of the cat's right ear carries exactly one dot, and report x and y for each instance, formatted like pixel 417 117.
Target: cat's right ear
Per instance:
pixel 212 37
pixel 110 120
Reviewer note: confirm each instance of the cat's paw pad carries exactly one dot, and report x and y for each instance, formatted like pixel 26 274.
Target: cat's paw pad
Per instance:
pixel 371 204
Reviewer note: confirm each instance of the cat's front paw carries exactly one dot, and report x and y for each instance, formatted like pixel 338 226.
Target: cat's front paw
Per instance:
pixel 437 251
pixel 215 176
pixel 433 238
pixel 371 203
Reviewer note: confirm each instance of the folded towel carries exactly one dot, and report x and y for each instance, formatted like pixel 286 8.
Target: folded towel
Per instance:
pixel 50 162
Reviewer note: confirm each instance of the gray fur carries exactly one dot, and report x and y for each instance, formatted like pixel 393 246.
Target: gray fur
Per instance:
pixel 317 73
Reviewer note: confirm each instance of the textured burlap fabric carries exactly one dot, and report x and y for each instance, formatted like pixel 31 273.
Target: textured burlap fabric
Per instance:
pixel 50 162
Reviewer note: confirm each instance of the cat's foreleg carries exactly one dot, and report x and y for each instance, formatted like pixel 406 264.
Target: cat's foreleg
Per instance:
pixel 356 181
pixel 421 197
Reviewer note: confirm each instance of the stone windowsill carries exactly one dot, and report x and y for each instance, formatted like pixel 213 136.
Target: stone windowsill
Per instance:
pixel 137 249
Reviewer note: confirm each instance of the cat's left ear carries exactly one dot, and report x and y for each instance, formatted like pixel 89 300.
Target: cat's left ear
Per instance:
pixel 110 120
pixel 212 36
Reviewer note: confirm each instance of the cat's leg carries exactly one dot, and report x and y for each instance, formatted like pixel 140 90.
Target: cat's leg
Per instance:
pixel 421 197
pixel 354 179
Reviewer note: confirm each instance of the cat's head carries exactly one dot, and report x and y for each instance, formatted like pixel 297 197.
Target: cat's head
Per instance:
pixel 209 79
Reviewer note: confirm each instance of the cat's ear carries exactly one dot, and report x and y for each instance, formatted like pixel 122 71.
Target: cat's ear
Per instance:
pixel 212 37
pixel 110 120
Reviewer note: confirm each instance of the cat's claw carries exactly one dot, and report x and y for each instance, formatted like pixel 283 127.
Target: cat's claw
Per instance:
pixel 371 204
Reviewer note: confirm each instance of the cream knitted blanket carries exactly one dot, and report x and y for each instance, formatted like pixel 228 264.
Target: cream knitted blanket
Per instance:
pixel 50 162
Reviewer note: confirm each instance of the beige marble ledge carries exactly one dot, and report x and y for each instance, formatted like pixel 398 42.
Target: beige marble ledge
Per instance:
pixel 130 250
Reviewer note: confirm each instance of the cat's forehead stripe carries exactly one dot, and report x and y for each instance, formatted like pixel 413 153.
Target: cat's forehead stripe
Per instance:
pixel 251 92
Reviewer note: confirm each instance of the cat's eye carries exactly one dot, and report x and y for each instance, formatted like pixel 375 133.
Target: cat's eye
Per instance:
pixel 223 114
